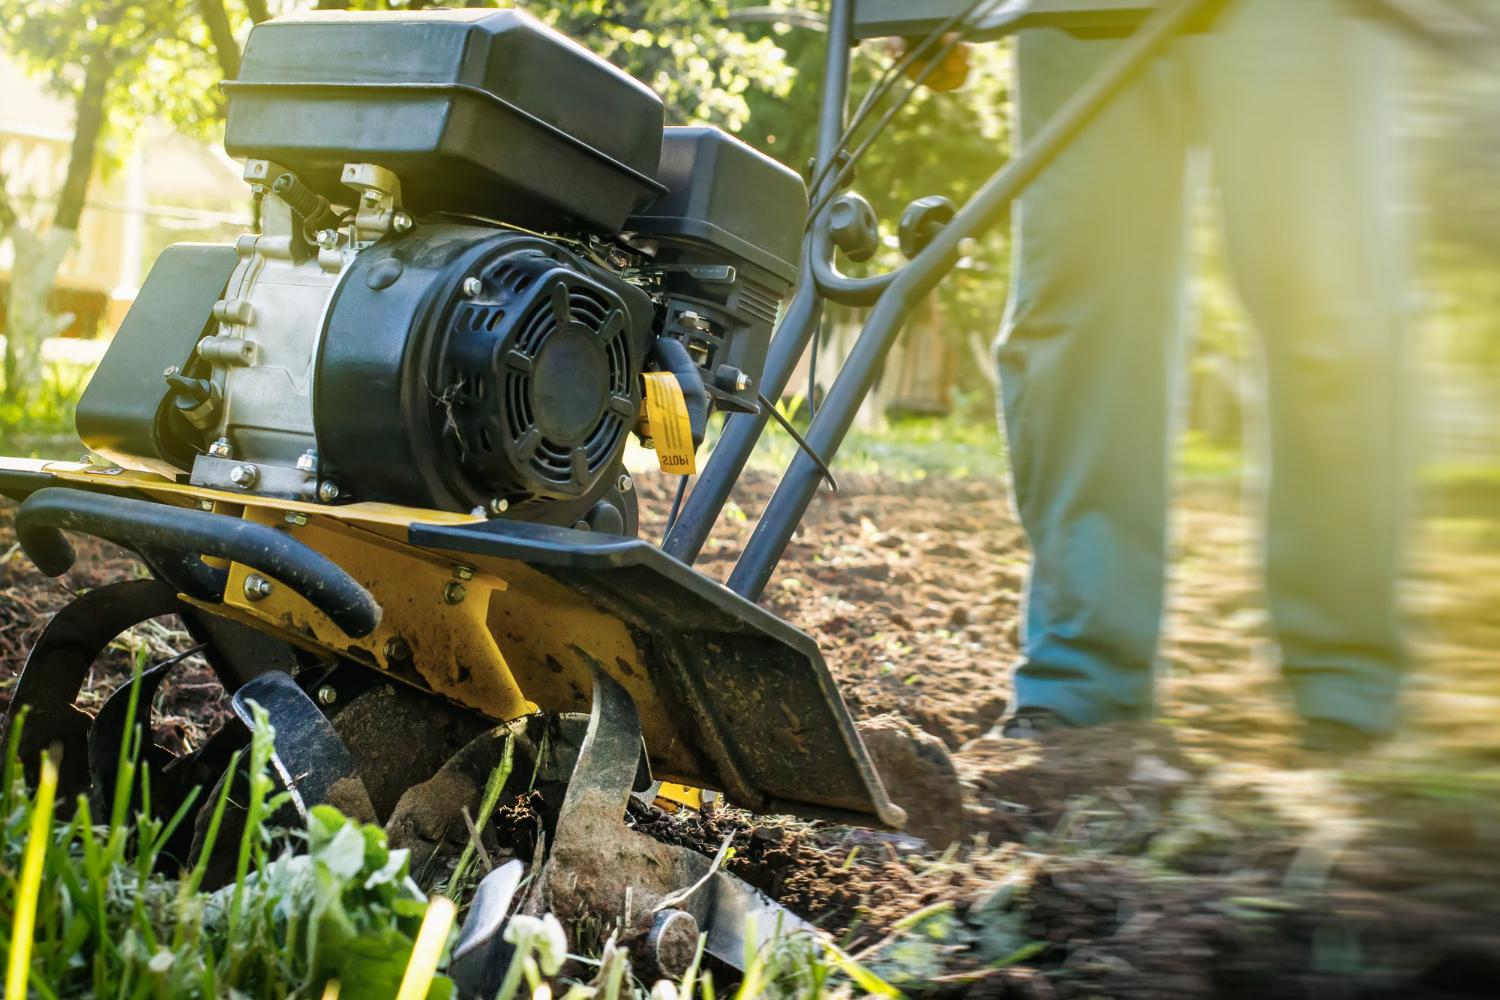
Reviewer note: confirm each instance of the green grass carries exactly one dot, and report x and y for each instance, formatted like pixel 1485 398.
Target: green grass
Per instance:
pixel 41 422
pixel 326 910
pixel 340 906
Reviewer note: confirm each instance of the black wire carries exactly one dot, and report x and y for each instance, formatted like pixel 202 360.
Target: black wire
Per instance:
pixel 812 370
pixel 786 425
pixel 677 503
pixel 846 168
pixel 887 80
pixel 878 90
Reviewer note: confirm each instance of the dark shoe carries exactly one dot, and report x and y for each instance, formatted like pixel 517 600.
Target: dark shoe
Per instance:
pixel 1032 724
pixel 1327 737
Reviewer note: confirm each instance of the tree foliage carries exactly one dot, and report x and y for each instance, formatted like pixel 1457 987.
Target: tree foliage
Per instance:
pixel 101 55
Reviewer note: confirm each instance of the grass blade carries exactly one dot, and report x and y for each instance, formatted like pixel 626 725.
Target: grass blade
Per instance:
pixel 432 938
pixel 18 971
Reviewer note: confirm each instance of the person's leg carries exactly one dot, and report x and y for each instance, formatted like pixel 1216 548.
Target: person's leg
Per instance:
pixel 1086 361
pixel 1297 102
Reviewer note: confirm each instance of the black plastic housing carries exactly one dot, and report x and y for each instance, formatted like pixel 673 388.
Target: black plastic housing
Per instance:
pixel 125 413
pixel 425 394
pixel 727 236
pixel 482 111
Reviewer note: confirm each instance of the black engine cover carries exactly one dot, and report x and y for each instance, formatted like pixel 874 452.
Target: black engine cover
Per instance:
pixel 461 366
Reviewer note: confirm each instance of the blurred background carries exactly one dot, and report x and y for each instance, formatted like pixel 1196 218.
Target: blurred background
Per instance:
pixel 110 131
pixel 110 150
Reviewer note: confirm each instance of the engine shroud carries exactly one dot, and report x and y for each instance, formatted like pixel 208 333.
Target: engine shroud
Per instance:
pixel 462 367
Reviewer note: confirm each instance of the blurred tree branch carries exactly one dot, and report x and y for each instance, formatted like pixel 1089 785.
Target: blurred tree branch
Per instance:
pixel 221 33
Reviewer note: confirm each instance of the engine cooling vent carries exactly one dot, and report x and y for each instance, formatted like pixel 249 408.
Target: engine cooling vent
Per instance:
pixel 551 397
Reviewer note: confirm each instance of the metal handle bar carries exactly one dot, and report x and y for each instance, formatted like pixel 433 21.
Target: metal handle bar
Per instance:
pixel 46 514
pixel 908 285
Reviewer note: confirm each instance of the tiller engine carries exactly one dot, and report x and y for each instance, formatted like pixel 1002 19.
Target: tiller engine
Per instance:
pixel 373 455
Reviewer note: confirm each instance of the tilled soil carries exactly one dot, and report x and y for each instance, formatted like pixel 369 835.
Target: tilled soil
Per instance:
pixel 1200 855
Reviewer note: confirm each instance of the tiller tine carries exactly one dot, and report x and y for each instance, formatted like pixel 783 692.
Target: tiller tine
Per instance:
pixel 597 872
pixel 658 896
pixel 309 758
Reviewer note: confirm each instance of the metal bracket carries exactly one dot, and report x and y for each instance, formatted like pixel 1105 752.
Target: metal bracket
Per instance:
pixel 599 866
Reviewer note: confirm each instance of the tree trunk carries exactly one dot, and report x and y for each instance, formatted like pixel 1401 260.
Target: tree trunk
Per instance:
pixel 258 11
pixel 226 49
pixel 27 321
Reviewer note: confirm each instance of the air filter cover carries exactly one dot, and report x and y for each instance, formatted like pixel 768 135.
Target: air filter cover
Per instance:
pixel 481 111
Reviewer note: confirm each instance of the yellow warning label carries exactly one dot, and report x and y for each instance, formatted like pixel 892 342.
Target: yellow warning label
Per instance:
pixel 671 428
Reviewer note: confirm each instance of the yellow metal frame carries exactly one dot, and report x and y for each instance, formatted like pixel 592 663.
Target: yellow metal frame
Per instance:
pixel 493 635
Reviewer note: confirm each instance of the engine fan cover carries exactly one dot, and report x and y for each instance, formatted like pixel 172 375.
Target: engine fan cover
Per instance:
pixel 463 367
pixel 537 373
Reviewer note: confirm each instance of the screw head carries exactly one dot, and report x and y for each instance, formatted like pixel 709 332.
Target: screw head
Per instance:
pixel 372 197
pixel 328 491
pixel 463 572
pixel 257 587
pixel 499 506
pixel 328 239
pixel 743 382
pixel 244 476
pixel 327 695
pixel 206 504
pixel 397 649
pixel 454 592
pixel 220 448
pixel 472 286
pixel 625 484
pixel 672 942
pixel 296 517
pixel 170 370
pixel 307 461
pixel 401 223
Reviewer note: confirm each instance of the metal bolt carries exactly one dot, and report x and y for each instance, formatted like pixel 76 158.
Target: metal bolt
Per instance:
pixel 454 592
pixel 220 448
pixel 170 371
pixel 244 476
pixel 257 587
pixel 328 491
pixel 206 504
pixel 372 197
pixel 307 461
pixel 672 942
pixel 401 223
pixel 328 239
pixel 463 572
pixel 742 382
pixel 397 649
pixel 499 506
pixel 327 695
pixel 625 483
pixel 472 287
pixel 296 517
